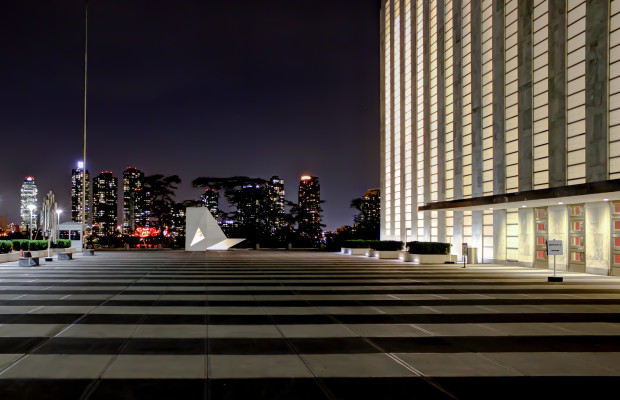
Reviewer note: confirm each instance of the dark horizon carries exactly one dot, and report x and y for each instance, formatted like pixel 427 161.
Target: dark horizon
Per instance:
pixel 193 89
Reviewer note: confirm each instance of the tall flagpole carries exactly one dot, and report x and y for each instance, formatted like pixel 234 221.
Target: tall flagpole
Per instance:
pixel 84 119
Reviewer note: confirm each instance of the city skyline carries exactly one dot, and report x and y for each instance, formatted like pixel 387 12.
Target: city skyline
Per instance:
pixel 195 90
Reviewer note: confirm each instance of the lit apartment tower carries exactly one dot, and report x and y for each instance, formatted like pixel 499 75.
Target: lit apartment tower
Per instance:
pixel 309 202
pixel 277 202
pixel 249 210
pixel 369 218
pixel 28 196
pixel 134 206
pixel 77 182
pixel 177 229
pixel 500 128
pixel 210 199
pixel 105 204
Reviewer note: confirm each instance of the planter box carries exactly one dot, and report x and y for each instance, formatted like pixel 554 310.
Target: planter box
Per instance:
pixel 358 252
pixel 383 254
pixel 427 258
pixel 353 251
pixel 67 250
pixel 6 257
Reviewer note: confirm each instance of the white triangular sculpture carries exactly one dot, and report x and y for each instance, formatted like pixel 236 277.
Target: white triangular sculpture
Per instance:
pixel 203 233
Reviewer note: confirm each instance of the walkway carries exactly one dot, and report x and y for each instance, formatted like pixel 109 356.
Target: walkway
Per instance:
pixel 301 325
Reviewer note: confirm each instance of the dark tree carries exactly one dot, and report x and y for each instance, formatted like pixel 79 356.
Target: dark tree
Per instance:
pixel 160 194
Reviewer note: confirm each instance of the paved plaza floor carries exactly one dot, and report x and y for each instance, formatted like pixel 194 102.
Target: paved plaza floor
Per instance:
pixel 302 325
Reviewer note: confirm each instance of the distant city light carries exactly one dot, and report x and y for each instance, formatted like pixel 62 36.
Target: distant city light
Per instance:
pixel 146 232
pixel 306 177
pixel 80 164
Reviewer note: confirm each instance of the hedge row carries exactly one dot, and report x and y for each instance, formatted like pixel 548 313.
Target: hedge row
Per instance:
pixel 31 245
pixel 383 245
pixel 62 244
pixel 6 246
pixel 428 248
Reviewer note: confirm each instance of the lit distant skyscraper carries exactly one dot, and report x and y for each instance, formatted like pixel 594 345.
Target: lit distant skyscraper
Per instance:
pixel 277 202
pixel 134 207
pixel 28 196
pixel 105 204
pixel 77 182
pixel 310 208
pixel 210 199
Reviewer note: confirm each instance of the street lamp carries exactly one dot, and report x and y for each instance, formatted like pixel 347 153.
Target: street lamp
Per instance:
pixel 31 207
pixel 58 212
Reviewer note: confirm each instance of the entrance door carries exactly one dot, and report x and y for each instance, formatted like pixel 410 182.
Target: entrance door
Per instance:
pixel 577 238
pixel 540 237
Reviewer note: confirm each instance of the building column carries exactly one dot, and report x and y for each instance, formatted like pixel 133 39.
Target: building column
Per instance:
pixel 499 236
pixel 458 125
pixel 476 116
pixel 526 237
pixel 441 121
pixel 427 117
pixel 383 183
pixel 557 92
pixel 525 11
pixel 499 141
pixel 597 40
pixel 401 234
pixel 557 229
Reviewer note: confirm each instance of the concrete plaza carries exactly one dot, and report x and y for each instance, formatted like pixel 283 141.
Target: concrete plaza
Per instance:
pixel 302 325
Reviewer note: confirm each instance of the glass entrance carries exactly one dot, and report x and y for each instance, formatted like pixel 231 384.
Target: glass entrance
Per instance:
pixel 540 238
pixel 577 238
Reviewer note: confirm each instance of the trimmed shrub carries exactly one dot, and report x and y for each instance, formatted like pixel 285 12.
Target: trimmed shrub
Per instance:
pixel 34 245
pixel 428 248
pixel 63 243
pixel 356 244
pixel 20 244
pixel 6 246
pixel 381 245
pixel 386 245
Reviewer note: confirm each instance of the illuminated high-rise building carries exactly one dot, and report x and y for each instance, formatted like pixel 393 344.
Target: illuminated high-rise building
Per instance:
pixel 277 202
pixel 210 199
pixel 500 128
pixel 105 204
pixel 28 197
pixel 134 200
pixel 309 203
pixel 77 184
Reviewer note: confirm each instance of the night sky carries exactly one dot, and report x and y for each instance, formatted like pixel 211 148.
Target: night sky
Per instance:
pixel 193 88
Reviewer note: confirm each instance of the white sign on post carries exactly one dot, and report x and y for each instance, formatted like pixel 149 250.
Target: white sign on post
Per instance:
pixel 554 247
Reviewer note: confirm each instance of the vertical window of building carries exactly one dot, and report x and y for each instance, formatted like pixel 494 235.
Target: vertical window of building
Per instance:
pixel 576 92
pixel 540 140
pixel 434 172
pixel 487 124
pixel 409 212
pixel 512 234
pixel 449 113
pixel 397 119
pixel 614 91
pixel 511 92
pixel 466 98
pixel 487 97
pixel 388 121
pixel 434 142
pixel 420 112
